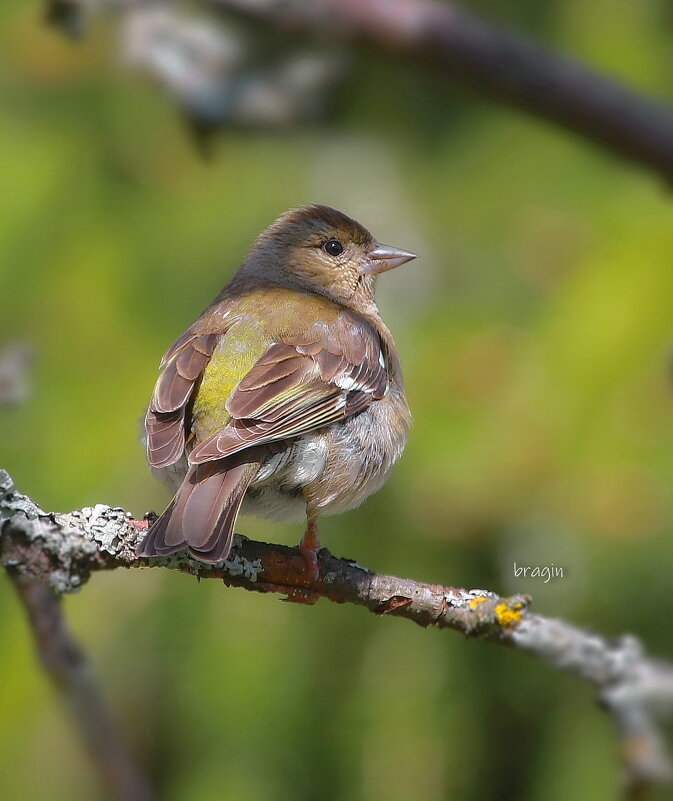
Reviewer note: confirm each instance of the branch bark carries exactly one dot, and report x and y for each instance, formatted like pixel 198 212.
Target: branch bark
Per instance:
pixel 59 552
pixel 504 66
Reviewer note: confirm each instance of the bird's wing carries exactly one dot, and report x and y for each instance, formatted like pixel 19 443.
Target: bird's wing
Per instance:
pixel 182 367
pixel 301 384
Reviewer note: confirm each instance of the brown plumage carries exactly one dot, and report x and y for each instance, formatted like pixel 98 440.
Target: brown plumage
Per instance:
pixel 285 397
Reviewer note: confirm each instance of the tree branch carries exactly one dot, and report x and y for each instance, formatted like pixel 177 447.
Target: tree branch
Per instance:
pixel 60 551
pixel 66 664
pixel 504 66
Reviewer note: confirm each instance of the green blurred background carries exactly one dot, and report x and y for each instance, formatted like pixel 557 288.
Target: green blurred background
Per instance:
pixel 535 334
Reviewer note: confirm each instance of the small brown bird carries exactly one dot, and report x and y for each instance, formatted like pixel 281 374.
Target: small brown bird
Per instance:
pixel 285 397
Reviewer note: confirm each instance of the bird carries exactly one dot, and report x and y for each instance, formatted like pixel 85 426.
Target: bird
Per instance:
pixel 285 399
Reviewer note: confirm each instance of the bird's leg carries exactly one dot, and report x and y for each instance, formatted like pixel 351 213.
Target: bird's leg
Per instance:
pixel 309 548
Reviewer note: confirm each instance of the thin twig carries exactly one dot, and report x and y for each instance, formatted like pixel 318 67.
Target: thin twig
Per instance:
pixel 62 550
pixel 65 663
pixel 507 67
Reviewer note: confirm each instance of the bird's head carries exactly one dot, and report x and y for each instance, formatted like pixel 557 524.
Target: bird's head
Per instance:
pixel 319 249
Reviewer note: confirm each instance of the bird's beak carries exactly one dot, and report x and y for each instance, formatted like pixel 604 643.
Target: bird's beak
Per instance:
pixel 384 257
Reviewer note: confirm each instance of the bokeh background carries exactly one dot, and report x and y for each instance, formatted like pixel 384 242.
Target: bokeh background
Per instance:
pixel 535 332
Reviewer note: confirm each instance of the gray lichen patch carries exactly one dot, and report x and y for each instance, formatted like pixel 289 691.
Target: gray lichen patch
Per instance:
pixel 12 501
pixel 108 526
pixel 459 598
pixel 236 566
pixel 52 547
pixel 243 567
pixel 67 552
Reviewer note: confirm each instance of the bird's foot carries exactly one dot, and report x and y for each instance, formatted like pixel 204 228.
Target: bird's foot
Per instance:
pixel 305 590
pixel 309 548
pixel 312 564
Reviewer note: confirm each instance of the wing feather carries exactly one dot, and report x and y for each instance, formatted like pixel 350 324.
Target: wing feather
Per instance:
pixel 165 419
pixel 302 385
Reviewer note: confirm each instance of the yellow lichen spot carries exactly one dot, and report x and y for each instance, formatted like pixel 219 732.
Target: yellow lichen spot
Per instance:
pixel 474 603
pixel 509 616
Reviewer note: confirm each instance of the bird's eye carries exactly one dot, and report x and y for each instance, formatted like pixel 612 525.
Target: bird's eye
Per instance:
pixel 333 247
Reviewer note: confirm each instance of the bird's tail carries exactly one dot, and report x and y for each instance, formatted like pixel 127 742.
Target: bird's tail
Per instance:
pixel 202 515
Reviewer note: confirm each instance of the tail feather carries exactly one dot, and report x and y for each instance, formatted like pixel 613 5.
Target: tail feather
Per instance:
pixel 202 516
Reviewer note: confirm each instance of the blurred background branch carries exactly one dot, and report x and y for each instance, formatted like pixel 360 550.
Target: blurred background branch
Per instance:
pixel 219 72
pixel 16 359
pixel 66 664
pixel 218 77
pixel 47 554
